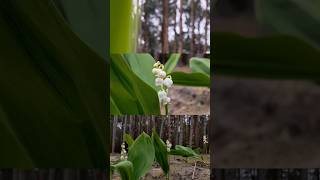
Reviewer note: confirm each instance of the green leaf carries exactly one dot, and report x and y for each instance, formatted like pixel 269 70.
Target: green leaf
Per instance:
pixel 171 63
pixel 184 152
pixel 130 94
pixel 125 169
pixel 278 57
pixel 52 91
pixel 160 152
pixel 141 154
pixel 128 139
pixel 201 65
pixel 141 65
pixel 292 17
pixel 123 26
pixel 87 20
pixel 190 79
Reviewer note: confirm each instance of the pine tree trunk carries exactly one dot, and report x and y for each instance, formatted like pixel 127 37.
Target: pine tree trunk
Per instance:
pixel 191 132
pixel 114 131
pixel 181 34
pixel 124 127
pixel 207 18
pixel 192 17
pixel 165 24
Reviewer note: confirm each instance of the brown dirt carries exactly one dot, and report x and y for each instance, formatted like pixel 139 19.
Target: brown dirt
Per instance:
pixel 266 123
pixel 187 100
pixel 180 169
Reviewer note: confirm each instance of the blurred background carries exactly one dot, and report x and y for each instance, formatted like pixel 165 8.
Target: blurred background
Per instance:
pixel 265 86
pixel 164 27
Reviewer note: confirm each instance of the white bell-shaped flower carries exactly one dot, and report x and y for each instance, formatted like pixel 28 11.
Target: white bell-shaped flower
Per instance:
pixel 166 100
pixel 156 71
pixel 159 81
pixel 168 82
pixel 162 74
pixel 162 95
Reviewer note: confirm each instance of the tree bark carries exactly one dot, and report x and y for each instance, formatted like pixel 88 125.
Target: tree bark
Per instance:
pixel 181 34
pixel 114 131
pixel 165 24
pixel 191 132
pixel 175 44
pixel 207 18
pixel 192 17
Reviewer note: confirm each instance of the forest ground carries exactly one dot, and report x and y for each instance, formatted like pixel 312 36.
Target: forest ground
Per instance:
pixel 179 169
pixel 266 123
pixel 187 100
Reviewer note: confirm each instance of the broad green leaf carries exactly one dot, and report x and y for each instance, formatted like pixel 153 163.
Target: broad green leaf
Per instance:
pixel 141 65
pixel 201 65
pixel 141 154
pixel 184 152
pixel 125 169
pixel 123 26
pixel 87 20
pixel 160 152
pixel 113 108
pixel 278 56
pixel 292 17
pixel 128 139
pixel 190 79
pixel 171 63
pixel 52 91
pixel 130 94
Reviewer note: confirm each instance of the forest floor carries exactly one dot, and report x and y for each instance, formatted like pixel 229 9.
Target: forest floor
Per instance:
pixel 180 169
pixel 187 100
pixel 266 123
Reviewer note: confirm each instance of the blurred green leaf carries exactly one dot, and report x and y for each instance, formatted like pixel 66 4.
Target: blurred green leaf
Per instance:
pixel 128 139
pixel 190 79
pixel 291 17
pixel 184 152
pixel 130 94
pixel 171 63
pixel 201 65
pixel 141 154
pixel 52 91
pixel 278 56
pixel 125 169
pixel 87 19
pixel 160 152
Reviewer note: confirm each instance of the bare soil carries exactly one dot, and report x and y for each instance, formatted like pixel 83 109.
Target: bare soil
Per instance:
pixel 180 169
pixel 266 123
pixel 187 100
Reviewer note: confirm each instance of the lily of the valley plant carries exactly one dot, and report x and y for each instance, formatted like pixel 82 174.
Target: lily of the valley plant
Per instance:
pixel 163 81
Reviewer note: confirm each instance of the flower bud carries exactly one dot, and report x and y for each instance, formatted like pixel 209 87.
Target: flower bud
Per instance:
pixel 155 71
pixel 159 81
pixel 162 95
pixel 162 74
pixel 168 82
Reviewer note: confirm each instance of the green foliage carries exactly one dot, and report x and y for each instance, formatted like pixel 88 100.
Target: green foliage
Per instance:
pixel 184 152
pixel 190 79
pixel 171 63
pixel 132 87
pixel 278 56
pixel 293 17
pixel 141 154
pixel 125 169
pixel 52 88
pixel 201 65
pixel 160 152
pixel 128 139
pixel 123 26
pixel 130 94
